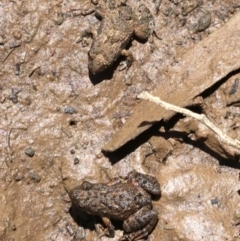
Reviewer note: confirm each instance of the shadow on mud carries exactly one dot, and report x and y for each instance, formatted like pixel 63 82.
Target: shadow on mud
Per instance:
pixel 88 221
pixel 106 74
pixel 131 146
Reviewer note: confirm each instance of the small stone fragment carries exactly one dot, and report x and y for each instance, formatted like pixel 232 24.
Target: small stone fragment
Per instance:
pixel 219 15
pixel 204 22
pixel 228 113
pixel 70 110
pixel 234 87
pixel 99 155
pixel 193 27
pixel 14 95
pixel 214 201
pixel 70 229
pixel 128 80
pixel 14 227
pixel 59 19
pixel 17 69
pixel 76 160
pixel 30 151
pixel 18 176
pixel 182 21
pixel 17 34
pixel 34 176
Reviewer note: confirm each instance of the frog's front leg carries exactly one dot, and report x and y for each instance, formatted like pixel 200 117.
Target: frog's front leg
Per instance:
pixel 109 231
pixel 129 59
pixel 86 35
pixel 140 224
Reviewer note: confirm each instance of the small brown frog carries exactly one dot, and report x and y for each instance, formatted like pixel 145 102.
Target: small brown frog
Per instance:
pixel 121 200
pixel 119 23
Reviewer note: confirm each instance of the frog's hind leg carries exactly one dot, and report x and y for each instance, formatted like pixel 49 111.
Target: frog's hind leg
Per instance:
pixel 149 183
pixel 145 25
pixel 140 224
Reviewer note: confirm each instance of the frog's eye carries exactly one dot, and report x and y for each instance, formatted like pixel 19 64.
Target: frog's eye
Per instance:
pixel 86 185
pixel 144 182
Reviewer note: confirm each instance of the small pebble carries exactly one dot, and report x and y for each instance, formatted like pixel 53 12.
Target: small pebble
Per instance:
pixel 220 15
pixel 182 21
pixel 13 98
pixel 192 27
pixel 76 160
pixel 15 91
pixel 59 19
pixel 30 151
pixel 18 65
pixel 204 21
pixel 228 113
pixel 234 87
pixel 18 176
pixel 14 95
pixel 66 210
pixel 70 230
pixel 70 110
pixel 14 227
pixel 34 176
pixel 214 201
pixel 17 34
pixel 99 155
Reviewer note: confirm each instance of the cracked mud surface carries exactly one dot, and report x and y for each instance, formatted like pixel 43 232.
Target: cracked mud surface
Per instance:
pixel 55 118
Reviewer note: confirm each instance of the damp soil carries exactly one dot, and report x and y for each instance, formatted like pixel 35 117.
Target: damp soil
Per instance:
pixel 55 118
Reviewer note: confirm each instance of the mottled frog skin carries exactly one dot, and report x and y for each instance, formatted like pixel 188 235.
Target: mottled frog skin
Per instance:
pixel 128 200
pixel 119 23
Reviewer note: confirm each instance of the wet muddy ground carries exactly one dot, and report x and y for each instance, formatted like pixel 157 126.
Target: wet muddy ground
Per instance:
pixel 55 118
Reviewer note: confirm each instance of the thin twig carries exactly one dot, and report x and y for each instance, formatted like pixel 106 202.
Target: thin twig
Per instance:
pixel 200 117
pixel 9 53
pixel 34 69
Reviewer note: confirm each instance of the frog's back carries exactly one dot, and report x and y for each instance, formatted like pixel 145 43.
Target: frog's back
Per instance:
pixel 117 201
pixel 122 200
